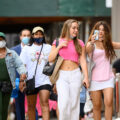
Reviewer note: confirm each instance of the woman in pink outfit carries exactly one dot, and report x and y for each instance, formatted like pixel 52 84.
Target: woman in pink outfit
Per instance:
pixel 102 75
pixel 69 82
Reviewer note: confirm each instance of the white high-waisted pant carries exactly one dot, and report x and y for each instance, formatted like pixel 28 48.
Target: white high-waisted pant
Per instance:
pixel 68 89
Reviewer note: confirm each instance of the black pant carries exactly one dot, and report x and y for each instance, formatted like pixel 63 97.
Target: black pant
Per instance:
pixel 20 109
pixel 4 103
pixel 82 109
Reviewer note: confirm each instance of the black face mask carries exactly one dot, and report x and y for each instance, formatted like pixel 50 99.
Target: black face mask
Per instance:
pixel 38 40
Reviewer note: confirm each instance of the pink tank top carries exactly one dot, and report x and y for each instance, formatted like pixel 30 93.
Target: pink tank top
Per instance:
pixel 69 52
pixel 102 70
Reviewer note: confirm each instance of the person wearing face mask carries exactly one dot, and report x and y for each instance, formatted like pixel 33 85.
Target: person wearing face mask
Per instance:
pixel 25 36
pixel 29 56
pixel 9 63
pixel 102 82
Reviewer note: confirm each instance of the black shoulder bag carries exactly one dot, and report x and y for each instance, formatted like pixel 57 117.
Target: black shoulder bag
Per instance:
pixel 30 84
pixel 48 69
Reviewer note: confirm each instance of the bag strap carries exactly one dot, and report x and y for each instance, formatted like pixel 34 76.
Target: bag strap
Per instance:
pixel 57 43
pixel 92 52
pixel 38 60
pixel 91 58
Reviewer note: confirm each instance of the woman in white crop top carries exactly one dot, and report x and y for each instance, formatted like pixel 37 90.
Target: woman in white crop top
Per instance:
pixel 69 82
pixel 102 76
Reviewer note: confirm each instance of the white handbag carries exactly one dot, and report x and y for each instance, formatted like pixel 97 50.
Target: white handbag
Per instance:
pixel 88 104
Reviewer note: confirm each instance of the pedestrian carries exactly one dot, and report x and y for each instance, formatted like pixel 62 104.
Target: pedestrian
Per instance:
pixel 116 71
pixel 29 55
pixel 9 63
pixel 82 102
pixel 25 36
pixel 102 76
pixel 116 66
pixel 69 82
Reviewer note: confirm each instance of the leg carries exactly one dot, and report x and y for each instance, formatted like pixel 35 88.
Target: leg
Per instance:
pixel 1 105
pixel 20 109
pixel 96 100
pixel 57 113
pixel 44 103
pixel 108 101
pixel 5 104
pixel 36 114
pixel 63 98
pixel 31 100
pixel 82 110
pixel 75 85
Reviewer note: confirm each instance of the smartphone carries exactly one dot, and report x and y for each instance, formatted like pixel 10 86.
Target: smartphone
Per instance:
pixel 96 33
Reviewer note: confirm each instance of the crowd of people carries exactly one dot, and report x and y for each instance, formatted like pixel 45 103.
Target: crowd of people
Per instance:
pixel 29 58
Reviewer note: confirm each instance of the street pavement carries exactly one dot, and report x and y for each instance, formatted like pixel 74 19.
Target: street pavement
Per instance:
pixel 88 118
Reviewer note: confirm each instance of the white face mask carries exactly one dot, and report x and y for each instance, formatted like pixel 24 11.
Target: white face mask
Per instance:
pixel 2 44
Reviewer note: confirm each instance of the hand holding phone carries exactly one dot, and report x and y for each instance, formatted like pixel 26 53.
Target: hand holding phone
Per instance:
pixel 96 33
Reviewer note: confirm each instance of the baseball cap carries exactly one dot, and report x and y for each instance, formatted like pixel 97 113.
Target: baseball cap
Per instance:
pixel 35 29
pixel 2 34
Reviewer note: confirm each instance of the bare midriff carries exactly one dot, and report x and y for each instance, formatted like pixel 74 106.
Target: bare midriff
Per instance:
pixel 69 65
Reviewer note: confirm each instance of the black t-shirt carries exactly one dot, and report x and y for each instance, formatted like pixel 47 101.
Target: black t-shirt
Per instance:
pixel 116 65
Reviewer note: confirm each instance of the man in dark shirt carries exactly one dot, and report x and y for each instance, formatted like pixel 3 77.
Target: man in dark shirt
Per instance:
pixel 116 66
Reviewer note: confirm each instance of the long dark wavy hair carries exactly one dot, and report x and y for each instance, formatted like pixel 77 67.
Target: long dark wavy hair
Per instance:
pixel 107 42
pixel 66 34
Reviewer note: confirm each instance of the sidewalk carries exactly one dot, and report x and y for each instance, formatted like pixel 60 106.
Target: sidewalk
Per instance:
pixel 88 119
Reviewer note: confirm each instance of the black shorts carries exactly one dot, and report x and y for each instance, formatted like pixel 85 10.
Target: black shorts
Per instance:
pixel 43 87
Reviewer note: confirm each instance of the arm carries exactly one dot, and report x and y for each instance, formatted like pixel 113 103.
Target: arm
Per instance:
pixel 90 45
pixel 83 64
pixel 55 50
pixel 116 45
pixel 53 53
pixel 22 84
pixel 22 71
